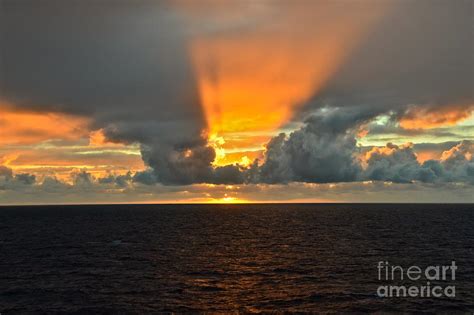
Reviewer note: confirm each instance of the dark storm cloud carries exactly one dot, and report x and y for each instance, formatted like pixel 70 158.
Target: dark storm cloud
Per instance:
pixel 398 165
pixel 116 61
pixel 420 53
pixel 123 64
pixel 325 151
pixel 322 151
pixel 187 165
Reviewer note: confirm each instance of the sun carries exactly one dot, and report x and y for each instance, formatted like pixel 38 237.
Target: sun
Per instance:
pixel 227 200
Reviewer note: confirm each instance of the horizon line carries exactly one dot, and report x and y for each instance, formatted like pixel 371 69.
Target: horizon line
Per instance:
pixel 230 204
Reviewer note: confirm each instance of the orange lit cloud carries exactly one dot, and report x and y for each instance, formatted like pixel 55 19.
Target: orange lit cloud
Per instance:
pixel 54 144
pixel 27 127
pixel 60 161
pixel 97 138
pixel 387 150
pixel 463 150
pixel 433 117
pixel 423 156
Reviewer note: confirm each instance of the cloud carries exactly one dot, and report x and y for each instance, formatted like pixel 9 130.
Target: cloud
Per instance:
pixel 459 162
pixel 27 179
pixel 322 151
pixel 386 128
pixel 136 71
pixel 23 127
pixel 6 172
pixel 121 181
pixel 16 182
pixel 52 185
pixel 82 179
pixel 400 164
pixel 461 152
pixel 418 55
pixel 146 177
pixel 124 67
pixel 391 163
pixel 188 165
pixel 416 117
pixel 54 191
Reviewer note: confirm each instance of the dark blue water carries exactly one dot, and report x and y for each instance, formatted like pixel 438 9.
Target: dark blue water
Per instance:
pixel 218 258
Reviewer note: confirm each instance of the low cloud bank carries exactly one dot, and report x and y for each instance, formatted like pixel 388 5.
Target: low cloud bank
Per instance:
pixel 127 188
pixel 324 150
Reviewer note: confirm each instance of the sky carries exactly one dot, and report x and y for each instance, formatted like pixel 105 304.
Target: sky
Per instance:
pixel 181 101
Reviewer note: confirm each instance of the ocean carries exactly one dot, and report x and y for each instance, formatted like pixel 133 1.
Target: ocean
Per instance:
pixel 230 258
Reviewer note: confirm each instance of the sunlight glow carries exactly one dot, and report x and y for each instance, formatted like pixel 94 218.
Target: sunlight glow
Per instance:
pixel 253 81
pixel 227 199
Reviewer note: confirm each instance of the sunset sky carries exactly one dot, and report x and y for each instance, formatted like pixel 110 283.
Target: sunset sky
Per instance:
pixel 236 101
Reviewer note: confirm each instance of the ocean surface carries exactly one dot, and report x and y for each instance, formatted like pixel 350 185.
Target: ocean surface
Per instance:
pixel 228 258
